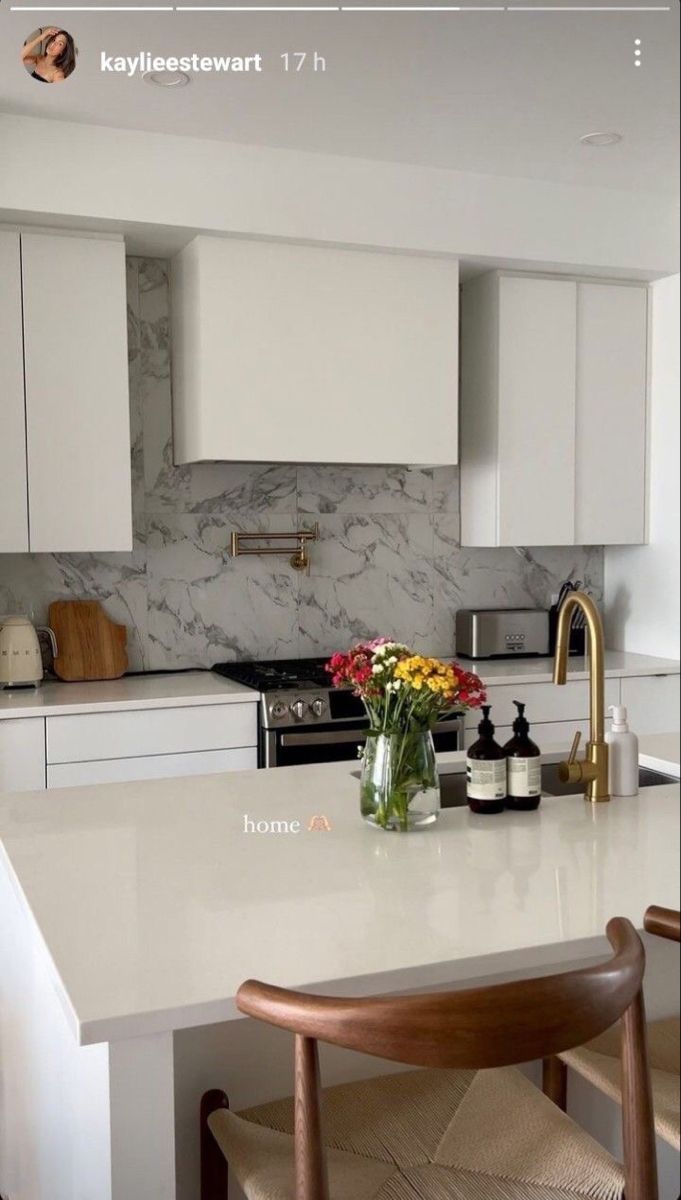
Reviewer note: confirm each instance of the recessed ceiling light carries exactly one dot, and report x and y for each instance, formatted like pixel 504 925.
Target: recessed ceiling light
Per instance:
pixel 601 139
pixel 166 79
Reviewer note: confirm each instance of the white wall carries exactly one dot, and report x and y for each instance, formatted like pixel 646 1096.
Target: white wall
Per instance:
pixel 642 582
pixel 119 176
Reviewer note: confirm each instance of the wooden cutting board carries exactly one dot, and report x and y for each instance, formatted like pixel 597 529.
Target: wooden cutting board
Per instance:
pixel 89 644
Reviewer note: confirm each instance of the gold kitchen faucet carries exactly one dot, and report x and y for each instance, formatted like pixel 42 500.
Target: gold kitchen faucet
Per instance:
pixel 593 768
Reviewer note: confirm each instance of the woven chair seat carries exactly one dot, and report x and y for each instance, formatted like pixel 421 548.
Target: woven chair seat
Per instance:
pixel 426 1135
pixel 599 1063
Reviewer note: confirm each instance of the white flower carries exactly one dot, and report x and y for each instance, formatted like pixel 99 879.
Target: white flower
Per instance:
pixel 377 669
pixel 387 648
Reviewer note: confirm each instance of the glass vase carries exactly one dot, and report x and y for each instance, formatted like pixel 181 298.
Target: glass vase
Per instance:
pixel 399 788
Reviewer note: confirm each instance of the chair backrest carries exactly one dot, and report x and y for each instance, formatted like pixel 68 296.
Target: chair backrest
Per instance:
pixel 665 922
pixel 476 1028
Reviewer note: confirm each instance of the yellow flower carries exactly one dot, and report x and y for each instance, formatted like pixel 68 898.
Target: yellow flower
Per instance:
pixel 416 671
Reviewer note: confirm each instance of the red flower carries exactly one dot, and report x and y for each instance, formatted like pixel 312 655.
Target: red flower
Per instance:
pixel 355 670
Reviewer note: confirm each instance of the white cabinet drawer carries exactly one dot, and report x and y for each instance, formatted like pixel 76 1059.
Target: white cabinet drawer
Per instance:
pixel 147 732
pixel 652 703
pixel 545 701
pixel 22 755
pixel 159 766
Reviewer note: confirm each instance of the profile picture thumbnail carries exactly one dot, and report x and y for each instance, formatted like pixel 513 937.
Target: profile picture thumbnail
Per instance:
pixel 49 55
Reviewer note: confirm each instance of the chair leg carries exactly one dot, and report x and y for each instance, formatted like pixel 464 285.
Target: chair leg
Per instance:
pixel 213 1162
pixel 554 1081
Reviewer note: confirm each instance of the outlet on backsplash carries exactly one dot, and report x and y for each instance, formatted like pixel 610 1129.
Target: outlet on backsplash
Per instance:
pixel 388 554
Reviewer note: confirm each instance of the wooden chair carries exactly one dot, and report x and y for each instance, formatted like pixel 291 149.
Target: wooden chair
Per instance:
pixel 470 1126
pixel 599 1061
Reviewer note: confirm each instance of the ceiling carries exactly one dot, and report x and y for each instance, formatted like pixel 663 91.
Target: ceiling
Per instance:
pixel 505 93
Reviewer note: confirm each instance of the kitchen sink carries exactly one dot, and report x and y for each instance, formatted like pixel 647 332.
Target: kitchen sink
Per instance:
pixel 453 784
pixel 453 789
pixel 553 786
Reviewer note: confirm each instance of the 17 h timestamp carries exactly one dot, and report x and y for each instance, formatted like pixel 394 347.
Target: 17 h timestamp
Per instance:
pixel 296 61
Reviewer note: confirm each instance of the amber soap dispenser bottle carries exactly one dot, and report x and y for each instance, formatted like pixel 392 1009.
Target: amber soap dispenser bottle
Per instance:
pixel 524 766
pixel 486 770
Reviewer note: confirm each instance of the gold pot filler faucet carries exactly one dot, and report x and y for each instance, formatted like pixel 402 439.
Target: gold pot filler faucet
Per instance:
pixel 593 768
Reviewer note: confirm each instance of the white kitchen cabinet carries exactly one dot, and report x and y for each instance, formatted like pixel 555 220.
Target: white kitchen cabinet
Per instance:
pixel 553 411
pixel 13 494
pixel 556 713
pixel 536 363
pixel 22 754
pixel 150 731
pixel 546 703
pixel 65 446
pixel 76 381
pixel 300 353
pixel 160 766
pixel 610 456
pixel 652 703
pixel 151 743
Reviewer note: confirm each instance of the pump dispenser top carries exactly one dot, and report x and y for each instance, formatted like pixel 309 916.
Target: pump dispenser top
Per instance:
pixel 620 723
pixel 521 725
pixel 486 728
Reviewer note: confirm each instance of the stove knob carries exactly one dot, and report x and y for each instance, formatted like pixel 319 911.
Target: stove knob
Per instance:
pixel 278 710
pixel 318 707
pixel 298 709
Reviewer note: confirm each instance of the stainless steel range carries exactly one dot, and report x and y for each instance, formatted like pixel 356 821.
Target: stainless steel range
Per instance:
pixel 303 719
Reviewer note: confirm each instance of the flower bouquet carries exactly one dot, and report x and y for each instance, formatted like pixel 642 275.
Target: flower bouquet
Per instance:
pixel 404 694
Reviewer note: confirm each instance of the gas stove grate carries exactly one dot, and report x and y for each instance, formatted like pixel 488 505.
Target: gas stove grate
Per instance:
pixel 277 674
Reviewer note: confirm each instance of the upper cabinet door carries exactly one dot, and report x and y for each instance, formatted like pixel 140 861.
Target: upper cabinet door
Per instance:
pixel 536 421
pixel 299 353
pixel 13 494
pixel 610 460
pixel 553 405
pixel 77 406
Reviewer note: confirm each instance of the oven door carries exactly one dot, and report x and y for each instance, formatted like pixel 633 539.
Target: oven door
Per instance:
pixel 333 742
pixel 340 741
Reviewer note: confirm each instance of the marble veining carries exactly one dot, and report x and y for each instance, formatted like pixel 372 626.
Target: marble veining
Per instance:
pixel 388 560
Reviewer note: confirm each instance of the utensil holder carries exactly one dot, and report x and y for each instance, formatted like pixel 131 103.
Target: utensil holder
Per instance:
pixel 577 643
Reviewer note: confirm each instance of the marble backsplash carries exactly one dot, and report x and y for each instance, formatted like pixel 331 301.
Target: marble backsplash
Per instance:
pixel 388 562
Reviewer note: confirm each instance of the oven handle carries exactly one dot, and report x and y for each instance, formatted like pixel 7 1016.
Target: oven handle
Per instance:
pixel 344 737
pixel 334 737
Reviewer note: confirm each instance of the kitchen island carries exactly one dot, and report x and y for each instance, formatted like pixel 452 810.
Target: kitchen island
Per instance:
pixel 132 912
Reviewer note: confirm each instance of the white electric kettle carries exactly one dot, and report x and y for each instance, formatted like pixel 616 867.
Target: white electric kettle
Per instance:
pixel 21 663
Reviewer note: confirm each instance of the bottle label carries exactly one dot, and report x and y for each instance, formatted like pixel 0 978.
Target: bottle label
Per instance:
pixel 486 780
pixel 524 776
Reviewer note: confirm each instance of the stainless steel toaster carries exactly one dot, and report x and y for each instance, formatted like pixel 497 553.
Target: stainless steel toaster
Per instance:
pixel 502 632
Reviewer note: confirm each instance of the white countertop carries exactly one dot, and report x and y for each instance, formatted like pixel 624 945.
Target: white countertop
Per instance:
pixel 660 751
pixel 154 904
pixel 540 670
pixel 177 690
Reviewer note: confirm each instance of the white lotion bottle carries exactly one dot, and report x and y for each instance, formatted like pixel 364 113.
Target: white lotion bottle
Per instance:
pixel 623 754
